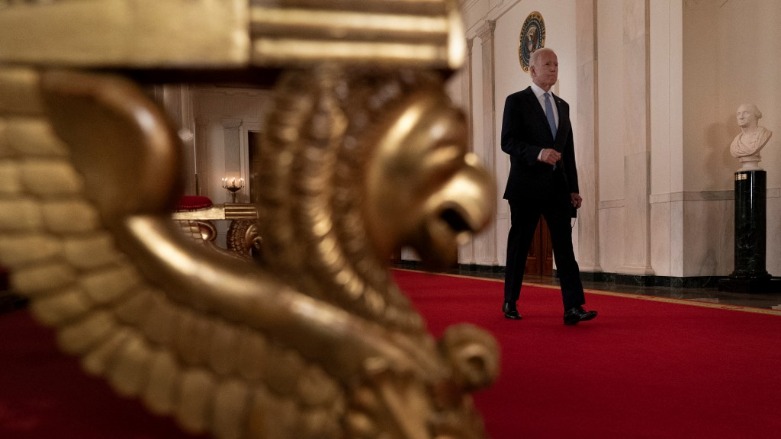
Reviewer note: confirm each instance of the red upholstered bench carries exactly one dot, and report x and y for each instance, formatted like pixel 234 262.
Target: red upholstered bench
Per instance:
pixel 193 202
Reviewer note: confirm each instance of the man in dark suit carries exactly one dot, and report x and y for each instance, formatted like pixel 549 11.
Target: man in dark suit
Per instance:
pixel 543 180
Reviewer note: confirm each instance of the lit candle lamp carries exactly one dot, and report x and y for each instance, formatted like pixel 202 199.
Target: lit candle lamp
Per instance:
pixel 232 185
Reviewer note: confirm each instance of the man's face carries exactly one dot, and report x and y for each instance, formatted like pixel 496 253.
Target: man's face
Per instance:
pixel 545 72
pixel 746 116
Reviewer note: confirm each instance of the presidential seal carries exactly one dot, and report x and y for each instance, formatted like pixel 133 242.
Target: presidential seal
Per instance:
pixel 532 38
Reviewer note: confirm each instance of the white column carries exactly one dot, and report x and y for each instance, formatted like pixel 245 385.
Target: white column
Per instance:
pixel 176 100
pixel 486 246
pixel 637 162
pixel 586 136
pixel 466 253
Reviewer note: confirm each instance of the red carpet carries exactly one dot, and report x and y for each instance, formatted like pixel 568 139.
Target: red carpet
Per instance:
pixel 642 369
pixel 45 395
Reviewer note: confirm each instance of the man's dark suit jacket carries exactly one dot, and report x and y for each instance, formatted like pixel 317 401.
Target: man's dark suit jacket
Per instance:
pixel 525 133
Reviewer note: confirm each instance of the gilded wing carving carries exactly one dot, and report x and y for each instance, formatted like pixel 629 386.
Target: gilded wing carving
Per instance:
pixel 315 341
pixel 364 154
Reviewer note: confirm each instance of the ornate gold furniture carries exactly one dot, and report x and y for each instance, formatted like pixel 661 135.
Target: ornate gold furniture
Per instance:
pixel 364 154
pixel 242 238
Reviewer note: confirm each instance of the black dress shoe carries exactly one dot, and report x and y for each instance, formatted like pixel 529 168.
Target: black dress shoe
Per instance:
pixel 510 311
pixel 573 316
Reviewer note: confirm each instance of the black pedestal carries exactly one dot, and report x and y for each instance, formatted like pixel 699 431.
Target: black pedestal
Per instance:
pixel 750 275
pixel 747 285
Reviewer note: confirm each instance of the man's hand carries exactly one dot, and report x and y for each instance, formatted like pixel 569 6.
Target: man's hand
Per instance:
pixel 576 200
pixel 550 156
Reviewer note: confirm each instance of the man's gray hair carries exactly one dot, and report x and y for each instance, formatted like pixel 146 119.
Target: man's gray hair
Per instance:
pixel 536 54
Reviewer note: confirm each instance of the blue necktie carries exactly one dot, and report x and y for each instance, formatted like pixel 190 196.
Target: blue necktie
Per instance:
pixel 549 114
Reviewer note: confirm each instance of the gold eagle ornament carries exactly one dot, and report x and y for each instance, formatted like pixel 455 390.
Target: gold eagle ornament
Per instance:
pixel 364 153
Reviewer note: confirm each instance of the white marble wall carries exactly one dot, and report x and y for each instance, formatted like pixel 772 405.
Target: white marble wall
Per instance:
pixel 223 117
pixel 692 233
pixel 723 69
pixel 654 85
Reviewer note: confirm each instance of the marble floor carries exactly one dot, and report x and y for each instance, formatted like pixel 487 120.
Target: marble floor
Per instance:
pixel 709 295
pixel 10 301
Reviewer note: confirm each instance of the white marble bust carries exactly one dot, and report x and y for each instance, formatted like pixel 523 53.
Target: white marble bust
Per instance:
pixel 751 139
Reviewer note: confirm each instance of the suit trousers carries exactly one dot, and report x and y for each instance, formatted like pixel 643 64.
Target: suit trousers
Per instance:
pixel 524 216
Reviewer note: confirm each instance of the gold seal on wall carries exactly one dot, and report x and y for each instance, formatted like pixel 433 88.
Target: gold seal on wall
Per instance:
pixel 532 38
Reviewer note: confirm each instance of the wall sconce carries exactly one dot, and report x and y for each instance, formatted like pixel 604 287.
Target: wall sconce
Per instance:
pixel 232 185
